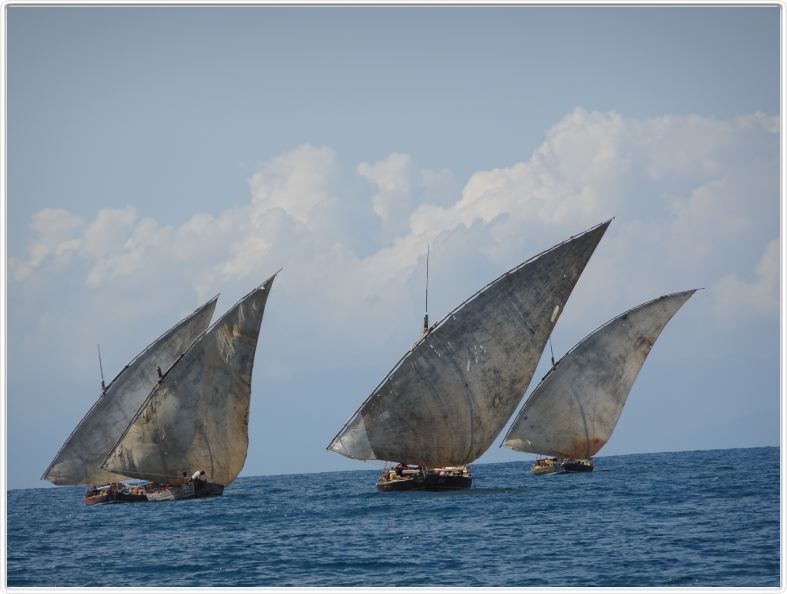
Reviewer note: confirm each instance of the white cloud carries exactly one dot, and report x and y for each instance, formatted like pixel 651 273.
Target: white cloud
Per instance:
pixel 57 234
pixel 400 188
pixel 296 182
pixel 736 298
pixel 392 178
pixel 120 244
pixel 694 199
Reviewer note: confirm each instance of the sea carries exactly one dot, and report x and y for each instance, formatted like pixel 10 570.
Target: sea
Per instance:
pixel 690 519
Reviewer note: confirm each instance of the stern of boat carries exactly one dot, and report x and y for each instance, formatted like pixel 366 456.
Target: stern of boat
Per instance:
pixel 448 478
pixel 188 490
pixel 579 465
pixel 548 466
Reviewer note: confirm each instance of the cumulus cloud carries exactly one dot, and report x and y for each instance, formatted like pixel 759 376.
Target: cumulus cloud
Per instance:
pixel 295 182
pixel 694 198
pixel 736 298
pixel 400 187
pixel 392 178
pixel 57 234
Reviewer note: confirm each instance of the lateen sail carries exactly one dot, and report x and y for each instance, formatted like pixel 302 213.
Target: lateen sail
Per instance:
pixel 447 399
pixel 78 461
pixel 197 416
pixel 573 411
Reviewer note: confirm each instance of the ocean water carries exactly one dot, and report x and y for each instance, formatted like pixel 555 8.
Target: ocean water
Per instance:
pixel 706 518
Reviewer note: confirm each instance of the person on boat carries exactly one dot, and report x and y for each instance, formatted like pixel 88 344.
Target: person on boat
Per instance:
pixel 199 477
pixel 399 468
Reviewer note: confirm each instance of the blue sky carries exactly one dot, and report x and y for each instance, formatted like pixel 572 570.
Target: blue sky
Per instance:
pixel 157 156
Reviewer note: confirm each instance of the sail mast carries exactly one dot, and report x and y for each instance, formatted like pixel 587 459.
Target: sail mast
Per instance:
pixel 426 299
pixel 101 368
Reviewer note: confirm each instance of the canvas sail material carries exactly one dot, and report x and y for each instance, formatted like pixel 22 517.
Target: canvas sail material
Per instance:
pixel 78 461
pixel 573 411
pixel 197 416
pixel 447 399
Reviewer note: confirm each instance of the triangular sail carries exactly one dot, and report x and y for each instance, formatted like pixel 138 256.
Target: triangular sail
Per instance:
pixel 447 399
pixel 78 461
pixel 573 411
pixel 197 416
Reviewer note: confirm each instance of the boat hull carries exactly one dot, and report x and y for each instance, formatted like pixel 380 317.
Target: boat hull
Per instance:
pixel 561 465
pixel 431 480
pixel 186 491
pixel 547 467
pixel 114 498
pixel 578 465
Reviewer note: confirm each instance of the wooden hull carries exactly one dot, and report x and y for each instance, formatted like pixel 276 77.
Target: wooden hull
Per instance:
pixel 547 467
pixel 578 465
pixel 431 480
pixel 560 465
pixel 114 498
pixel 186 491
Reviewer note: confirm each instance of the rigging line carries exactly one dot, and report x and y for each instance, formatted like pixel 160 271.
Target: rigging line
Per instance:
pixel 551 351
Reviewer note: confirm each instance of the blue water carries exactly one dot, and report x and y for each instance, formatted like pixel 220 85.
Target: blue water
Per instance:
pixel 708 518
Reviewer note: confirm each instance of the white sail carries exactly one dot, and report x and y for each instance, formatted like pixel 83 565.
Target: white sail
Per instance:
pixel 447 399
pixel 573 411
pixel 197 416
pixel 78 461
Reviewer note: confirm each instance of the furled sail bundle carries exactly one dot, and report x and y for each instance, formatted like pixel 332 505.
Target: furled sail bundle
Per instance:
pixel 447 399
pixel 79 460
pixel 197 416
pixel 573 411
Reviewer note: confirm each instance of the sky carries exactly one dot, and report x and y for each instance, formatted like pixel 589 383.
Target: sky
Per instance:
pixel 158 156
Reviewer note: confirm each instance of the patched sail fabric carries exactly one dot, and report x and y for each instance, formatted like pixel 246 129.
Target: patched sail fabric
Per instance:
pixel 79 460
pixel 197 417
pixel 573 411
pixel 447 399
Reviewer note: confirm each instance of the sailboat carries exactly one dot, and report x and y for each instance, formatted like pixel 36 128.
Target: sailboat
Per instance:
pixel 445 401
pixel 195 420
pixel 78 462
pixel 572 413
